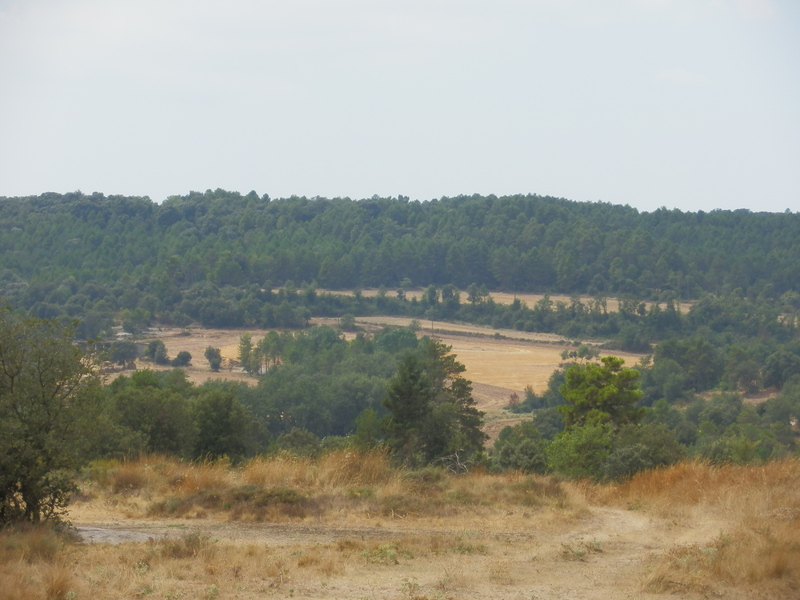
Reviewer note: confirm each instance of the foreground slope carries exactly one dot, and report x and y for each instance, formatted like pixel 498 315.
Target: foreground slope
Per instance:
pixel 348 526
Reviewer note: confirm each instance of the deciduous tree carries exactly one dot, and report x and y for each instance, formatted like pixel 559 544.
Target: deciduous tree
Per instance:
pixel 48 392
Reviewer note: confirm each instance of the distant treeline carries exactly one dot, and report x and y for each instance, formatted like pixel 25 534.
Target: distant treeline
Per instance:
pixel 522 243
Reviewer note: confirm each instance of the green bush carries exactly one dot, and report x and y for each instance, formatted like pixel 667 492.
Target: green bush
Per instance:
pixel 581 452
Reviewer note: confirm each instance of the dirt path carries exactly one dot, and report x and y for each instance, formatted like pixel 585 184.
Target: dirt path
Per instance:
pixel 604 554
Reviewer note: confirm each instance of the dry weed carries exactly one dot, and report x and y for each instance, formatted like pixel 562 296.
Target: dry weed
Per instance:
pixel 500 572
pixel 206 475
pixel 454 577
pixel 58 583
pixel 761 508
pixel 345 481
pixel 32 564
pixel 277 471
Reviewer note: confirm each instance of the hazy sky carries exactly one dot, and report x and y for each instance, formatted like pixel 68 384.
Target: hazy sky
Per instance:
pixel 693 104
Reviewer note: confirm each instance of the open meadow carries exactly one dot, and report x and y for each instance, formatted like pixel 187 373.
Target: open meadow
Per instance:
pixel 348 526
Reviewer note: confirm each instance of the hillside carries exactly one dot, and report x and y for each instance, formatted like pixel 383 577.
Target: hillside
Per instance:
pixel 53 245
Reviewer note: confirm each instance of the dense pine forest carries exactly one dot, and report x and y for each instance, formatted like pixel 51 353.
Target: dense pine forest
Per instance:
pixel 191 243
pixel 215 258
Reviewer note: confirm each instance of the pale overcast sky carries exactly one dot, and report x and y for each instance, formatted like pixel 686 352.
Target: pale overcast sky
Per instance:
pixel 693 104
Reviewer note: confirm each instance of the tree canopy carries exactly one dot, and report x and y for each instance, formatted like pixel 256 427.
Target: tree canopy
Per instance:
pixel 432 414
pixel 48 396
pixel 601 393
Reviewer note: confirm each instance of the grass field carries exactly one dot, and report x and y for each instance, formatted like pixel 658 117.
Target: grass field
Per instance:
pixel 349 526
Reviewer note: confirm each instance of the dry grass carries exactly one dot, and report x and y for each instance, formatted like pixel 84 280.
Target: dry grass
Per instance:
pixel 758 508
pixel 280 488
pixel 361 529
pixel 33 565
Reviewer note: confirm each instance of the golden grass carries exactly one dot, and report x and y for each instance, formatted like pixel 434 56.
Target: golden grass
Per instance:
pixel 197 566
pixel 431 534
pixel 764 487
pixel 758 505
pixel 32 565
pixel 286 487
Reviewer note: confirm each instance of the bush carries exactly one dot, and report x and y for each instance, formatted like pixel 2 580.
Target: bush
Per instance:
pixel 520 447
pixel 214 358
pixel 183 359
pixel 581 452
pixel 157 352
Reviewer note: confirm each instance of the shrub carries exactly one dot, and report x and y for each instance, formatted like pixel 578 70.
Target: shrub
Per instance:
pixel 183 359
pixel 580 452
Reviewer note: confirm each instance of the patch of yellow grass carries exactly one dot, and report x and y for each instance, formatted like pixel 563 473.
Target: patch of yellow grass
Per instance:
pixel 760 509
pixel 450 536
pixel 336 470
pixel 32 565
pixel 341 482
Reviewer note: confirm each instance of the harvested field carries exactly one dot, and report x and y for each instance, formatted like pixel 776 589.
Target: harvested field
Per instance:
pixel 503 358
pixel 612 304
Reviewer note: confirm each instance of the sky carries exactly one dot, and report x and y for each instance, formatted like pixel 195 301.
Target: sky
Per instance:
pixel 689 104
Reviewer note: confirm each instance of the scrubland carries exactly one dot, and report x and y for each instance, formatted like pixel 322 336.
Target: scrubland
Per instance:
pixel 349 525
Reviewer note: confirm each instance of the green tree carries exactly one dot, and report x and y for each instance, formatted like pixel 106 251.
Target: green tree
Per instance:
pixel 161 416
pixel 157 352
pixel 640 447
pixel 182 359
pixel 780 366
pixel 347 322
pixel 48 393
pixel 432 412
pixel 581 452
pixel 368 430
pixel 246 354
pixel 604 393
pixel 520 447
pixel 451 299
pixel 456 423
pixel 123 352
pixel 408 399
pixel 224 426
pixel 214 358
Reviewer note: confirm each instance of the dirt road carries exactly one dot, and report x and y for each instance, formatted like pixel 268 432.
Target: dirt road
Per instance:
pixel 599 554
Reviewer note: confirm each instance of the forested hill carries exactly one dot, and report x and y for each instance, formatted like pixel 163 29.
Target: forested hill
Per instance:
pixel 530 243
